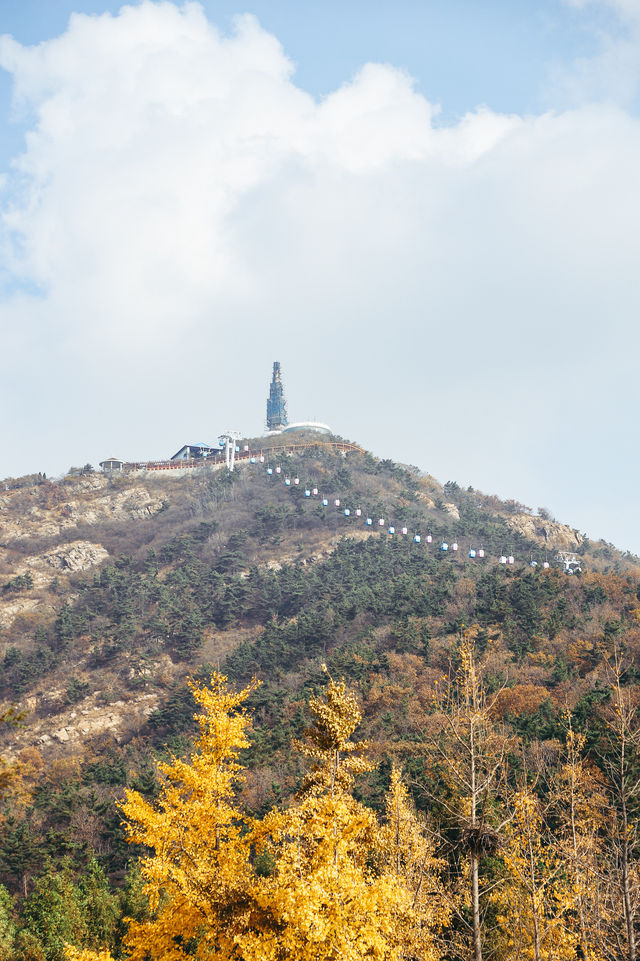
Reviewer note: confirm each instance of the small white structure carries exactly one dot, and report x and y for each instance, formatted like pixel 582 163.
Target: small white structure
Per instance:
pixel 228 440
pixel 310 425
pixel 570 562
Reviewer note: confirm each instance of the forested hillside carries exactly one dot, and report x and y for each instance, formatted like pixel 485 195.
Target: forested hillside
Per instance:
pixel 116 591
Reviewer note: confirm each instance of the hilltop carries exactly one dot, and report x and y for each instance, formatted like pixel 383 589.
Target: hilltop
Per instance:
pixel 116 588
pixel 102 575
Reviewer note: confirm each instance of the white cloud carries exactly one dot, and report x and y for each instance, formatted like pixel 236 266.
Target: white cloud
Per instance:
pixel 612 73
pixel 189 214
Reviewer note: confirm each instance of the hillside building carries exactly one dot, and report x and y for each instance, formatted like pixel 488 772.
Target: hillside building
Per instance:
pixel 195 451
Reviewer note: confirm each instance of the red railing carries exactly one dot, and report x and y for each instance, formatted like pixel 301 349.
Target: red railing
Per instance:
pixel 219 458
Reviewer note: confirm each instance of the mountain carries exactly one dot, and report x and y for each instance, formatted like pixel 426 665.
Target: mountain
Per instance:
pixel 114 589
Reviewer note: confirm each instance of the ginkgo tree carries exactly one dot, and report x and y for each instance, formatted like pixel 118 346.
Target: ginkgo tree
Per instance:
pixel 337 889
pixel 333 887
pixel 198 876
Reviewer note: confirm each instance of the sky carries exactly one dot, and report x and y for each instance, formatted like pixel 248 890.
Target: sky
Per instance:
pixel 428 211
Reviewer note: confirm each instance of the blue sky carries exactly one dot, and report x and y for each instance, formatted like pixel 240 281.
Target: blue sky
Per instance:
pixel 460 52
pixel 431 207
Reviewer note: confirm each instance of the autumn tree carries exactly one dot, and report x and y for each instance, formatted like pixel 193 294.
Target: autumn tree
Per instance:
pixel 406 853
pixel 538 899
pixel 469 752
pixel 620 760
pixel 197 876
pixel 335 889
pixel 318 881
pixel 580 812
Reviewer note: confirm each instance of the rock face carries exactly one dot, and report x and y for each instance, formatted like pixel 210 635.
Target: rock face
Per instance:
pixel 75 726
pixel 91 501
pixel 549 534
pixel 71 558
pixel 10 609
pixel 75 556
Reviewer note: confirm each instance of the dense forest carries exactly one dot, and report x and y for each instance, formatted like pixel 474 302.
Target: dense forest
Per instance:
pixel 487 809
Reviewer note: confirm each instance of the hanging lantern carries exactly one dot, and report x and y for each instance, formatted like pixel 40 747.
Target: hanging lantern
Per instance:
pixel 417 538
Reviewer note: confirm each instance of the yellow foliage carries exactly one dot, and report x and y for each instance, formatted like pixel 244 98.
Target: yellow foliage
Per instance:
pixel 198 878
pixel 75 954
pixel 535 907
pixel 336 886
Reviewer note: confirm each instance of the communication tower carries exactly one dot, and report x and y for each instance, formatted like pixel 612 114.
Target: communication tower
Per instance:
pixel 276 405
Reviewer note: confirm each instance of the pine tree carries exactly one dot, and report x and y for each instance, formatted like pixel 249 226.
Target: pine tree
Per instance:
pixel 7 926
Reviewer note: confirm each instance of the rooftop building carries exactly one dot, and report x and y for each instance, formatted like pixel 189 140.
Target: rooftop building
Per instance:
pixel 307 425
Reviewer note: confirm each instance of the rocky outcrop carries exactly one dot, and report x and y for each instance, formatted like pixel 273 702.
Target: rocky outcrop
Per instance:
pixel 72 557
pixel 135 503
pixel 10 609
pixel 73 727
pixel 559 537
pixel 91 501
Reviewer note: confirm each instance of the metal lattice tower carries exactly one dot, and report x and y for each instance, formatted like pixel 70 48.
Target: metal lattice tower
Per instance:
pixel 276 404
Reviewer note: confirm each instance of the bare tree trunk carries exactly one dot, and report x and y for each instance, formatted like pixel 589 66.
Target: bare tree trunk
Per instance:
pixel 626 884
pixel 474 862
pixel 534 906
pixel 475 903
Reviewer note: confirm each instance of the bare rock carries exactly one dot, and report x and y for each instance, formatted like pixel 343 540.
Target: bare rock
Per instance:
pixel 549 534
pixel 75 556
pixel 9 610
